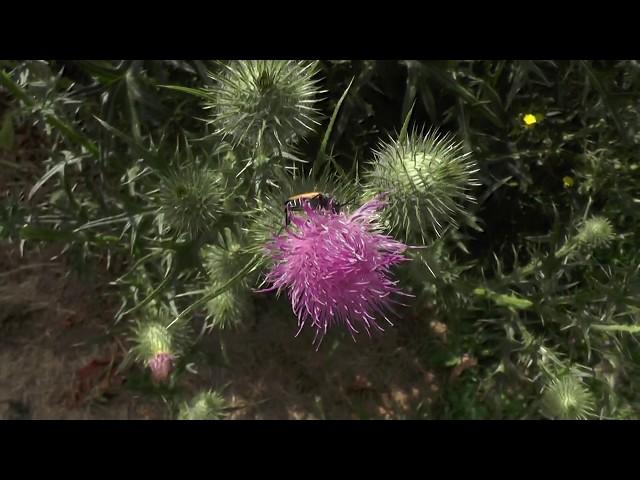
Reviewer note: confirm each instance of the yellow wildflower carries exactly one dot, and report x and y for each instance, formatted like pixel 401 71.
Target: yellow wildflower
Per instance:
pixel 531 119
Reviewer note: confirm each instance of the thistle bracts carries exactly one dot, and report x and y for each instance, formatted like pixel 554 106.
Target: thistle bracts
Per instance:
pixel 158 345
pixel 223 261
pixel 191 200
pixel 265 105
pixel 567 398
pixel 427 177
pixel 593 233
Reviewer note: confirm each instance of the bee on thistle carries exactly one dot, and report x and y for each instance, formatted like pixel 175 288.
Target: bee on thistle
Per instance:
pixel 315 200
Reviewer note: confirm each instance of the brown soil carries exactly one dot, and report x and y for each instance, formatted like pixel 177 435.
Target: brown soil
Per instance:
pixel 55 360
pixel 58 362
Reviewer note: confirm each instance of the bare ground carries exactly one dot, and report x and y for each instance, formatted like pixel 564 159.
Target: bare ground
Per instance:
pixel 58 362
pixel 55 359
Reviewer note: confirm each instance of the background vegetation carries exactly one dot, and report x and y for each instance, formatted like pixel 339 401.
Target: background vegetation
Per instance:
pixel 147 178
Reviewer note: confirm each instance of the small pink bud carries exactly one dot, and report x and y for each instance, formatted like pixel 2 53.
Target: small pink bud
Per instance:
pixel 161 366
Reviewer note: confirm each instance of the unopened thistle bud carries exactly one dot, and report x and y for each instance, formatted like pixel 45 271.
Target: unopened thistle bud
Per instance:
pixel 265 104
pixel 567 398
pixel 191 200
pixel 427 177
pixel 157 347
pixel 229 308
pixel 205 406
pixel 223 261
pixel 595 232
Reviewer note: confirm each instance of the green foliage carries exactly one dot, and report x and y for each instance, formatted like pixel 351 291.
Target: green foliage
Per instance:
pixel 523 209
pixel 7 132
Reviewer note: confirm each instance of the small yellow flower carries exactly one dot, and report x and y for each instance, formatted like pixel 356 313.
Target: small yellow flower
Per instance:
pixel 530 119
pixel 568 181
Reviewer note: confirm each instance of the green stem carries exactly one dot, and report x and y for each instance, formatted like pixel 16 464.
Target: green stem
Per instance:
pixel 137 264
pixel 617 328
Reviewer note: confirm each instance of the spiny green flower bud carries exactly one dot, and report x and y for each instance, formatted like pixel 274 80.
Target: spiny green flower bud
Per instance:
pixel 205 406
pixel 191 200
pixel 157 346
pixel 161 366
pixel 595 232
pixel 427 177
pixel 266 220
pixel 265 104
pixel 229 308
pixel 567 398
pixel 223 261
pixel 225 258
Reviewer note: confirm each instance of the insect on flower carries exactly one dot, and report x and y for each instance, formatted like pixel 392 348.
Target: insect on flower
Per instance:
pixel 315 200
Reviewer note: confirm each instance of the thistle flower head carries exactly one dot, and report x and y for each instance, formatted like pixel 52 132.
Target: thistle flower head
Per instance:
pixel 336 268
pixel 205 406
pixel 157 346
pixel 567 398
pixel 265 103
pixel 427 177
pixel 191 199
pixel 595 232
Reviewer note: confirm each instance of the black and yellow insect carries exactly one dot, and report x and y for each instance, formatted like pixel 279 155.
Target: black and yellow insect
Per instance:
pixel 315 200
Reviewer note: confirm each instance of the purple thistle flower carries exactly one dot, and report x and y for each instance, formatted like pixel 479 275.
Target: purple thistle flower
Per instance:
pixel 336 268
pixel 161 365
